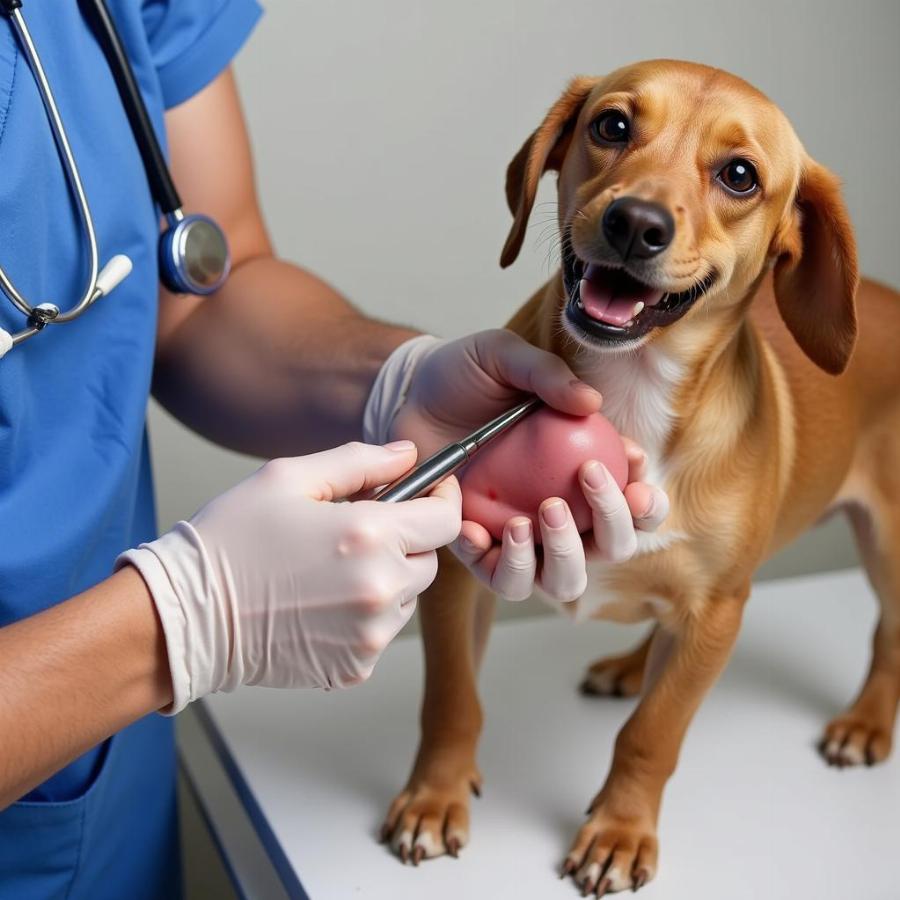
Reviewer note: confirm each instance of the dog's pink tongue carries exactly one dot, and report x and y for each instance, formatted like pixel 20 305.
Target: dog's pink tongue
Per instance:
pixel 613 296
pixel 600 304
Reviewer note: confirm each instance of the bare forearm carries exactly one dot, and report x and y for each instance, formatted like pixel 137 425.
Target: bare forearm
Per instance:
pixel 75 674
pixel 276 364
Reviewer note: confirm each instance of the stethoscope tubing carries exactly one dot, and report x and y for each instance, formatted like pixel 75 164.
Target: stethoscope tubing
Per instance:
pixel 73 177
pixel 162 186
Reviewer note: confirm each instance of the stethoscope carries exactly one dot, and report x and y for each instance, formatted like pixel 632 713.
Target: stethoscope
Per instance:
pixel 193 251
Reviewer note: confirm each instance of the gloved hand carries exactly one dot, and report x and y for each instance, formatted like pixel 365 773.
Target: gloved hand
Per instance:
pixel 512 569
pixel 434 392
pixel 274 583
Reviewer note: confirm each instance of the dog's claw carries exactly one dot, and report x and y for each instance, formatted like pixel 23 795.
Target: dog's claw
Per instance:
pixel 453 847
pixel 603 886
pixel 639 880
pixel 404 854
pixel 476 789
pixel 585 887
pixel 567 868
pixel 588 690
pixel 418 854
pixel 384 833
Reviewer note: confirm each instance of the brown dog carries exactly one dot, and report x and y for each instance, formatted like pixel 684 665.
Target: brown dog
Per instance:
pixel 707 289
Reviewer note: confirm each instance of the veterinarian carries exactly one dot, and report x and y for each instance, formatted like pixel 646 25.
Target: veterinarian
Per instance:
pixel 272 583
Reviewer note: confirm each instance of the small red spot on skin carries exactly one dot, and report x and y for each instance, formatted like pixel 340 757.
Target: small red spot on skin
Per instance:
pixel 492 494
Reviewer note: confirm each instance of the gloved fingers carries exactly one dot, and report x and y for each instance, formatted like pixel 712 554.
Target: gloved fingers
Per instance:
pixel 637 460
pixel 359 642
pixel 507 568
pixel 512 361
pixel 613 525
pixel 516 564
pixel 393 626
pixel 374 636
pixel 349 469
pixel 429 522
pixel 649 505
pixel 352 678
pixel 348 666
pixel 477 551
pixel 564 573
pixel 421 570
pixel 360 660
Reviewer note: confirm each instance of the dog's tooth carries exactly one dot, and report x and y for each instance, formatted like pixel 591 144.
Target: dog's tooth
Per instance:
pixel 638 307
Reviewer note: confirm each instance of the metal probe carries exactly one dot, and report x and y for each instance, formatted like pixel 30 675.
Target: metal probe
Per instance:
pixel 447 460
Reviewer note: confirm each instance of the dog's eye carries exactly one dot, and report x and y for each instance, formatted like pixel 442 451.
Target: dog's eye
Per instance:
pixel 610 127
pixel 739 176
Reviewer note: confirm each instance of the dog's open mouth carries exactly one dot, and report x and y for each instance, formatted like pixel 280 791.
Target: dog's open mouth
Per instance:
pixel 612 305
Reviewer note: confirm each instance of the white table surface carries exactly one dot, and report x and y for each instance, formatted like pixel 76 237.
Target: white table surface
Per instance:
pixel 751 812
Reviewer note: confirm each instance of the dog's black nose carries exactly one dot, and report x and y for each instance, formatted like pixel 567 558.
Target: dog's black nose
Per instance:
pixel 637 229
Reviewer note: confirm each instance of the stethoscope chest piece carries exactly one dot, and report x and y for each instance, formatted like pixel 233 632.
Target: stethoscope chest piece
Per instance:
pixel 193 255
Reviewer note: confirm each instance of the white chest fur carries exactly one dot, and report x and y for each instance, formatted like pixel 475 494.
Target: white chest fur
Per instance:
pixel 638 389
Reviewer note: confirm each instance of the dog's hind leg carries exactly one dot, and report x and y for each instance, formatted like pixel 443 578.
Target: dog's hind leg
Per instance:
pixel 618 676
pixel 863 734
pixel 430 816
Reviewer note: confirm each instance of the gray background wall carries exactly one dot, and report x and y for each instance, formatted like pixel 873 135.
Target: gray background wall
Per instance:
pixel 382 131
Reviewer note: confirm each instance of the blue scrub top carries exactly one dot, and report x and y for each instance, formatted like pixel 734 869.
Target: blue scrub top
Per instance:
pixel 75 482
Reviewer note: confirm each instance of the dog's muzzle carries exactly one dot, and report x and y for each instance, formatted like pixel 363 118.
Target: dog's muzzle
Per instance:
pixel 608 304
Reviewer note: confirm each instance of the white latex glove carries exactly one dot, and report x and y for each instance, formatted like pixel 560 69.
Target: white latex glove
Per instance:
pixel 434 392
pixel 275 584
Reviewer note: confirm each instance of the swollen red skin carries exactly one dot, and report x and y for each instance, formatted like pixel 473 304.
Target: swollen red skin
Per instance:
pixel 536 459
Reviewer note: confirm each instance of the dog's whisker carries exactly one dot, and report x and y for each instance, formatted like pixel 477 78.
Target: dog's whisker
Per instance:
pixel 546 235
pixel 549 220
pixel 551 258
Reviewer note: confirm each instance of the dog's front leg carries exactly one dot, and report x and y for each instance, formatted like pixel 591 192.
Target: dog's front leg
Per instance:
pixel 617 847
pixel 431 815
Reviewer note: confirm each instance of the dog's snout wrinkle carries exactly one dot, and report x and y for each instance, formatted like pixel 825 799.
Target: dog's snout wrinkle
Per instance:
pixel 637 229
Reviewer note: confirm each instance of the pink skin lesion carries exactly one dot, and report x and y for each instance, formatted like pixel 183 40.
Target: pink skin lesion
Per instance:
pixel 537 459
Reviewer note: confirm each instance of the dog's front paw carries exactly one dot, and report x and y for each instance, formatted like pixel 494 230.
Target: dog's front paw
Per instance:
pixel 430 818
pixel 615 676
pixel 611 854
pixel 854 739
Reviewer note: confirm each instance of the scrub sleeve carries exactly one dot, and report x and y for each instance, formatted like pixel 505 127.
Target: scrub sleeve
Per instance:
pixel 105 826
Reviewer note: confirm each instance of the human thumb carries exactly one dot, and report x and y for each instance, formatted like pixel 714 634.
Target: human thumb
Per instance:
pixel 355 467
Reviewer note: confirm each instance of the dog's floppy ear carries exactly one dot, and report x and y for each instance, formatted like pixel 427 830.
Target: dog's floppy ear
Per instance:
pixel 544 150
pixel 816 272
